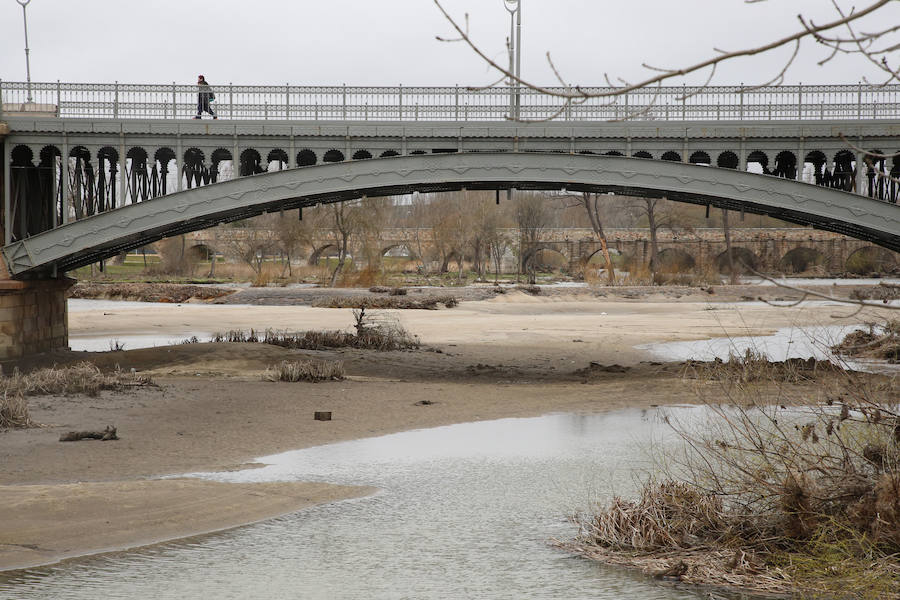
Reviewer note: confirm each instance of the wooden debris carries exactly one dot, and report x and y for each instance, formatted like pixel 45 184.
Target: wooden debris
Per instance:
pixel 322 415
pixel 73 436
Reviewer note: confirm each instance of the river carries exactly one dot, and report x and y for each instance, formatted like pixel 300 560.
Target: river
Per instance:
pixel 464 511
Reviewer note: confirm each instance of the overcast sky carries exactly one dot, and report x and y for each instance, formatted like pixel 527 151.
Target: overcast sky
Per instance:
pixel 386 42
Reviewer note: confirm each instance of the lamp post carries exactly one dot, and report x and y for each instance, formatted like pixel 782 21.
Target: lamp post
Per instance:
pixel 515 54
pixel 24 3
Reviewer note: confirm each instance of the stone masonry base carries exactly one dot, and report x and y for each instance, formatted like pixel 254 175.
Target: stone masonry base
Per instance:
pixel 33 317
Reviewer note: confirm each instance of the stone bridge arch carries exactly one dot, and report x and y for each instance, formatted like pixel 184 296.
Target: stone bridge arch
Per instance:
pixel 532 249
pixel 868 259
pixel 409 251
pixel 802 259
pixel 317 254
pixel 89 240
pixel 745 260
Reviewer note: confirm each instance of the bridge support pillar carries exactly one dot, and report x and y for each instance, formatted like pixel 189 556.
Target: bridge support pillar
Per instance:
pixel 33 316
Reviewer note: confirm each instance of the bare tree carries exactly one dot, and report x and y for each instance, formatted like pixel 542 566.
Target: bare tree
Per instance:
pixel 728 252
pixel 373 217
pixel 532 216
pixel 498 244
pixel 840 36
pixel 593 209
pixel 659 215
pixel 251 247
pixel 344 224
pixel 291 234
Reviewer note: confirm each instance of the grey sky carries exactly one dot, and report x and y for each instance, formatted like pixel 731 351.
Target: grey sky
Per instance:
pixel 386 42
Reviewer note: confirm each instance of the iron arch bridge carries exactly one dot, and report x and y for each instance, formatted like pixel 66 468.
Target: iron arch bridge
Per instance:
pixel 108 233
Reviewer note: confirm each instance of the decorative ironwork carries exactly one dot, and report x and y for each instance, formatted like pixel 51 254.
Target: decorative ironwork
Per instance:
pixel 453 103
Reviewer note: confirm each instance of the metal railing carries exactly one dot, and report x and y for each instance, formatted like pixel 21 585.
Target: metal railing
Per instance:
pixel 457 104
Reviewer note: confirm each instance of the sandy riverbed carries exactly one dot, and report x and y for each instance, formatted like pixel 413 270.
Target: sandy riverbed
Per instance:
pixel 514 355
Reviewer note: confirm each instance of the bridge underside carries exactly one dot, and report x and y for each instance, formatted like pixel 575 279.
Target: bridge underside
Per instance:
pixel 104 235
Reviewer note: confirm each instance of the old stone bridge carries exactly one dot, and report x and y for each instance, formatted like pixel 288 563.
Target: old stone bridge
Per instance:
pixel 769 250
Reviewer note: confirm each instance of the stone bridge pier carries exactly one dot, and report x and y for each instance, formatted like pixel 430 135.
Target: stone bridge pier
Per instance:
pixel 33 313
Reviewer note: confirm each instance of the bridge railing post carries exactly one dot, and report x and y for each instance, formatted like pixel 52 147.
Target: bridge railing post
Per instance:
pixel 174 102
pixel 230 101
pixel 800 101
pixel 859 100
pixel 344 104
pixel 741 94
pixel 116 101
pixel 400 101
pixel 287 101
pixel 58 102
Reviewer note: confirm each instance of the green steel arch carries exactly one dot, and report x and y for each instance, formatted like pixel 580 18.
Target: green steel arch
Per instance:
pixel 104 235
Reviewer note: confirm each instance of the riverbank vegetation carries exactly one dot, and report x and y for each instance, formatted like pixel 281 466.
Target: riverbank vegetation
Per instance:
pixel 372 332
pixel 770 491
pixel 881 342
pixel 80 378
pixel 306 370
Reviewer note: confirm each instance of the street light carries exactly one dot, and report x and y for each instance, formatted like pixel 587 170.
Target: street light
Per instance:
pixel 24 3
pixel 515 54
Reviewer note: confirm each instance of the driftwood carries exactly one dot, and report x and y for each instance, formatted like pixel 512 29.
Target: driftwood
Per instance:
pixel 678 570
pixel 73 436
pixel 322 415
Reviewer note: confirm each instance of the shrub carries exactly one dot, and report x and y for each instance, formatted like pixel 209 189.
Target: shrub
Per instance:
pixel 388 302
pixel 305 370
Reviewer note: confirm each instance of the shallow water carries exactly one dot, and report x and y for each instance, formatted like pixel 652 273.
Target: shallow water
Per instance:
pixel 801 281
pixel 86 343
pixel 465 511
pixel 789 342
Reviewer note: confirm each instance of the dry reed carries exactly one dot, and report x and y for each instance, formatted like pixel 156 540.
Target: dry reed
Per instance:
pixel 14 411
pixel 879 342
pixel 306 370
pixel 81 378
pixel 771 493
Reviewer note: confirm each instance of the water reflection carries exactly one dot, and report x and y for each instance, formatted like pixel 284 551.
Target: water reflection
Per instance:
pixel 465 512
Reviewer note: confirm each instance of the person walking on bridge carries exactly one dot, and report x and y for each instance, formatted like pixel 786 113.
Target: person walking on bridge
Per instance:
pixel 204 96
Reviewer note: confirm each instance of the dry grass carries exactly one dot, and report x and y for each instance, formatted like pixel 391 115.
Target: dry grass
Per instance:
pixel 384 336
pixel 754 367
pixel 306 370
pixel 81 378
pixel 14 411
pixel 881 342
pixel 388 302
pixel 147 292
pixel 883 291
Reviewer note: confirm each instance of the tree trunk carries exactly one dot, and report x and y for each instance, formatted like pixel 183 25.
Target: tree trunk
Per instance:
pixel 728 254
pixel 212 264
pixel 654 244
pixel 342 256
pixel 593 211
pixel 181 257
pixel 610 272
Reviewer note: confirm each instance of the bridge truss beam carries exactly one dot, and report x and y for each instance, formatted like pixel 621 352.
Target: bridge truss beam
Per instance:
pixel 104 235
